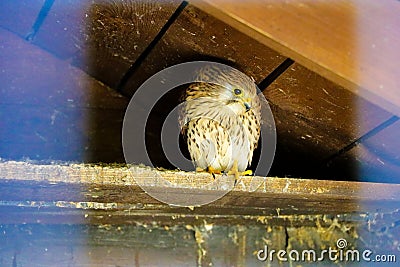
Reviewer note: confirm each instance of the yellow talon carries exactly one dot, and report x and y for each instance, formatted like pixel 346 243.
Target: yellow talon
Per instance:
pixel 210 170
pixel 247 172
pixel 234 171
pixel 213 171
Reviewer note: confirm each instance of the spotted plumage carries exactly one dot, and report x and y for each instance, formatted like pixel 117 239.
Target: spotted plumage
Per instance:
pixel 221 121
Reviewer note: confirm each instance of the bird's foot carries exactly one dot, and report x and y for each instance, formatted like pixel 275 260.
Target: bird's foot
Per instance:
pixel 213 171
pixel 247 172
pixel 235 171
pixel 210 170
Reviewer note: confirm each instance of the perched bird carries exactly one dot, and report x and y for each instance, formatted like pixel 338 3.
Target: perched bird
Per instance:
pixel 221 122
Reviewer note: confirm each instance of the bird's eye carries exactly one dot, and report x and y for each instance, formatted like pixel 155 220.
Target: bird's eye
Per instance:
pixel 237 91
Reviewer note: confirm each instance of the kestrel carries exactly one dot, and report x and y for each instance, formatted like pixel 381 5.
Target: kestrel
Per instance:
pixel 222 121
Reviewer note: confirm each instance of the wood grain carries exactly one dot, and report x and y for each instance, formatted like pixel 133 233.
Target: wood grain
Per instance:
pixel 376 159
pixel 47 210
pixel 195 35
pixel 315 118
pixel 50 110
pixel 19 16
pixel 103 37
pixel 353 43
pixel 95 183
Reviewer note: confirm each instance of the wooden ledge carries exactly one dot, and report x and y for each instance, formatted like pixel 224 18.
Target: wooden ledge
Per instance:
pixel 111 187
pixel 97 207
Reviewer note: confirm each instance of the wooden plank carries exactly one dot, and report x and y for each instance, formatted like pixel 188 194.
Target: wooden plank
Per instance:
pixel 95 208
pixel 125 245
pixel 196 35
pixel 19 16
pixel 315 118
pixel 375 159
pixel 353 43
pixel 59 133
pixel 290 196
pixel 50 110
pixel 172 245
pixel 32 76
pixel 103 37
pixel 88 245
pixel 158 245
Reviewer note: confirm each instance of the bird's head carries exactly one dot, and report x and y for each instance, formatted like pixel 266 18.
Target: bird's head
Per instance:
pixel 230 88
pixel 238 93
pixel 239 98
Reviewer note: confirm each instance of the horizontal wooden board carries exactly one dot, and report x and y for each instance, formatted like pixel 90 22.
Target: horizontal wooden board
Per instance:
pixel 154 244
pixel 271 196
pixel 353 43
pixel 95 207
pixel 158 245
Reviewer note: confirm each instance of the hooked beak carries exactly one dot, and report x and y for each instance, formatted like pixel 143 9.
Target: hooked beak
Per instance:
pixel 246 104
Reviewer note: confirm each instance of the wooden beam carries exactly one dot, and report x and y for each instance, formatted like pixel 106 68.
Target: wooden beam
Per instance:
pixel 19 16
pixel 376 158
pixel 103 37
pixel 92 208
pixel 195 35
pixel 114 187
pixel 315 118
pixel 353 43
